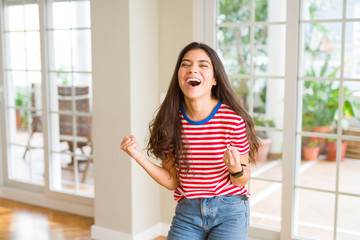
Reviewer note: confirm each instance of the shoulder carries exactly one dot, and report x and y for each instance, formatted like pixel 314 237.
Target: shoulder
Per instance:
pixel 229 114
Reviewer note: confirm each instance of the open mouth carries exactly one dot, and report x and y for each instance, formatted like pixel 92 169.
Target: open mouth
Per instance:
pixel 193 82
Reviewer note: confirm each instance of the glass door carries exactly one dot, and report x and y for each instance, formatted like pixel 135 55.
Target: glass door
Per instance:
pixel 251 43
pixel 24 108
pixel 48 105
pixel 327 164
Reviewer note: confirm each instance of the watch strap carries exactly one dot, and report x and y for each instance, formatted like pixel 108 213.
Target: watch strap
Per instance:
pixel 238 174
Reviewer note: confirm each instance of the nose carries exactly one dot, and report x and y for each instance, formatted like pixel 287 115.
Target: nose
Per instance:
pixel 193 70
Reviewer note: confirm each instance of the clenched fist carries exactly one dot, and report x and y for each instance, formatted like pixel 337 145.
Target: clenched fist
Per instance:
pixel 232 160
pixel 131 147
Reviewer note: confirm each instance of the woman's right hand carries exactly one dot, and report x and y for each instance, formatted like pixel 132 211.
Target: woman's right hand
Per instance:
pixel 131 147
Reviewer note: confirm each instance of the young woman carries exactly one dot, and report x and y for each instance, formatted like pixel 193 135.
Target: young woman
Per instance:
pixel 206 141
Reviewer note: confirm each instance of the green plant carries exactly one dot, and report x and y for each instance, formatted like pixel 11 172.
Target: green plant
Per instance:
pixel 321 100
pixel 63 76
pixel 21 100
pixel 262 121
pixel 311 142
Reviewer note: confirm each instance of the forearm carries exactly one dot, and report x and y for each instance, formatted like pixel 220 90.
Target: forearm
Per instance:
pixel 165 175
pixel 161 175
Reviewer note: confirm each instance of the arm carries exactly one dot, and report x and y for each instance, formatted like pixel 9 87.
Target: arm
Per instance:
pixel 159 174
pixel 233 161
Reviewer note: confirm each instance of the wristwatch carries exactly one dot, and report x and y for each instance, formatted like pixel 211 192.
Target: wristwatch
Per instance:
pixel 238 174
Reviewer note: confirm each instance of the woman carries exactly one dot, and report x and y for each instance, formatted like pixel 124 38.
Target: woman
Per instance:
pixel 206 141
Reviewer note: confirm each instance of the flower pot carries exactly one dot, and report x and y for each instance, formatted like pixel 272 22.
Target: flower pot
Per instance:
pixel 311 153
pixel 322 141
pixel 20 120
pixel 332 151
pixel 264 150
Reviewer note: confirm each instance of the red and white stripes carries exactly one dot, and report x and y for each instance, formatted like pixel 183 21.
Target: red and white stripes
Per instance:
pixel 205 145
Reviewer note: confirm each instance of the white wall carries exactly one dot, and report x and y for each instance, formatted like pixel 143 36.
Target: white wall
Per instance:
pixel 143 102
pixel 129 54
pixel 111 113
pixel 175 32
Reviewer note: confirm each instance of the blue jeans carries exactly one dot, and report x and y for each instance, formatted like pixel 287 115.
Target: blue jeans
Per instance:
pixel 217 218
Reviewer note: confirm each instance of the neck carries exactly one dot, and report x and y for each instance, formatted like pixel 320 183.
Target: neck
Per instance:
pixel 199 110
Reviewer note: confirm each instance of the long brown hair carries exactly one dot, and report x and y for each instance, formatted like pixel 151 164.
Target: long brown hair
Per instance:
pixel 165 128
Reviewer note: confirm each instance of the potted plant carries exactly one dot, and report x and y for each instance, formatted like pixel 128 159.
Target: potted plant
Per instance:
pixel 265 141
pixel 331 150
pixel 311 148
pixel 21 100
pixel 320 104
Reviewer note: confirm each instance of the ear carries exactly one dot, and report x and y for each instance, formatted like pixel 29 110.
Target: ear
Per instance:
pixel 214 82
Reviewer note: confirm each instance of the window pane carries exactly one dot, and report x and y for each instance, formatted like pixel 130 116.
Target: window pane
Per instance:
pixel 270 10
pixel 348 218
pixel 62 173
pixel 64 178
pixel 350 168
pixel 16 50
pixel 33 51
pixel 351 109
pixel 268 101
pixel 81 50
pixel 352 50
pixel 265 203
pixel 26 164
pixel 269 47
pixel 314 214
pixel 321 52
pixel 352 9
pixel 321 9
pixel 229 11
pixel 80 14
pixel 61 14
pixel 61 59
pixel 319 105
pixel 70 14
pixel 16 18
pixel 31 17
pixel 234 49
pixel 241 88
pixel 86 177
pixel 317 169
pixel 83 80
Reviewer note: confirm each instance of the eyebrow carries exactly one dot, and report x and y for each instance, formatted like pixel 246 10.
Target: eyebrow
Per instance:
pixel 187 60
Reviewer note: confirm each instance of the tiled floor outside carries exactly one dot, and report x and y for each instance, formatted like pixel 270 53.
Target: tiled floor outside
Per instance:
pixel 315 210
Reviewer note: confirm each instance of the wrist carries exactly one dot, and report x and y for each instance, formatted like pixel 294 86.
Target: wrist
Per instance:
pixel 239 173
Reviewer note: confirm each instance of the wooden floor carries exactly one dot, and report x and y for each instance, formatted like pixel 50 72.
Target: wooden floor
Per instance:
pixel 19 221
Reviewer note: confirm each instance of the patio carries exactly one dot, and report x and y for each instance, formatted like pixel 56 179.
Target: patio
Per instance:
pixel 315 210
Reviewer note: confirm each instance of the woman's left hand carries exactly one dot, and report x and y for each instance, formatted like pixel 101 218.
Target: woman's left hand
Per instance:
pixel 232 160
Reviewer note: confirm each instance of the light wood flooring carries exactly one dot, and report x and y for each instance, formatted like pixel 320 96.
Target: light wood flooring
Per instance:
pixel 20 221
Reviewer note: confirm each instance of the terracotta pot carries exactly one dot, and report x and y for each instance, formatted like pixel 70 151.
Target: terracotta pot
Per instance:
pixel 311 153
pixel 332 151
pixel 264 150
pixel 19 120
pixel 322 141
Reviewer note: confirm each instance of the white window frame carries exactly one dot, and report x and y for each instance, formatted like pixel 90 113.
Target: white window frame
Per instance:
pixel 42 195
pixel 205 31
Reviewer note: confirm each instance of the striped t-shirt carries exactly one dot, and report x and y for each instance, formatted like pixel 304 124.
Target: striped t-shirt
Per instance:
pixel 207 142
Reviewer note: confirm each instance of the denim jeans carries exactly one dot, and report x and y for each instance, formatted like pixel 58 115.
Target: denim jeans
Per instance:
pixel 217 218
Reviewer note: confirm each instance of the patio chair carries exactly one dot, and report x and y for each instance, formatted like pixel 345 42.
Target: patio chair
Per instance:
pixel 82 137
